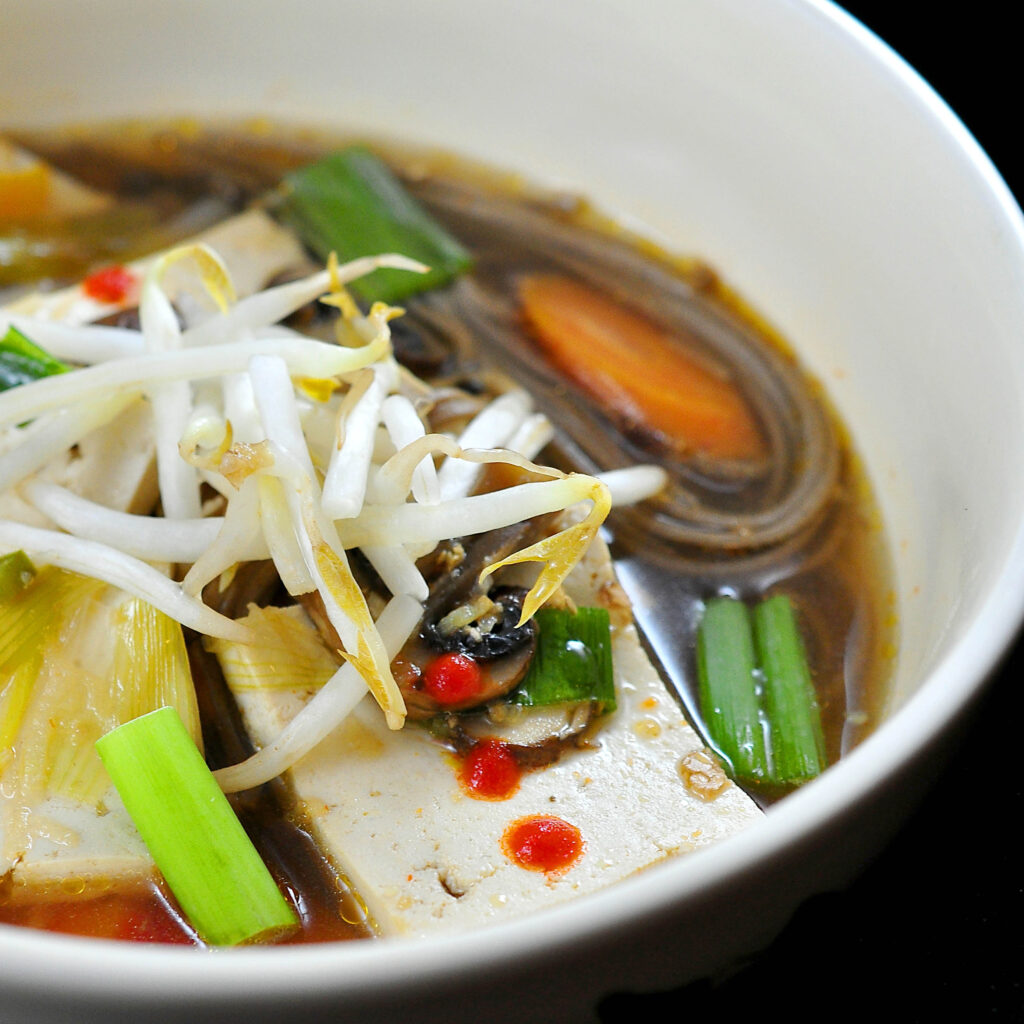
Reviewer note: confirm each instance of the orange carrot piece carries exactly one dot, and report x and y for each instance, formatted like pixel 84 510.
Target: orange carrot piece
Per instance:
pixel 24 192
pixel 636 370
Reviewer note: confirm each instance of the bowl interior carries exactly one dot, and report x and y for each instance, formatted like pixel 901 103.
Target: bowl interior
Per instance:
pixel 780 141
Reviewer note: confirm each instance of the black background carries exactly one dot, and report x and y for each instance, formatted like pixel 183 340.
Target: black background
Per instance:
pixel 932 930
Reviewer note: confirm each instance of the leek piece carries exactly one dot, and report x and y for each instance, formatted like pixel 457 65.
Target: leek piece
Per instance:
pixel 16 572
pixel 573 660
pixel 23 361
pixel 351 204
pixel 728 683
pixel 798 740
pixel 63 638
pixel 151 664
pixel 287 653
pixel 40 700
pixel 208 861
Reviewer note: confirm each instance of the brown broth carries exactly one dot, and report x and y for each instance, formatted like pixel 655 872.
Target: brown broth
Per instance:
pixel 149 914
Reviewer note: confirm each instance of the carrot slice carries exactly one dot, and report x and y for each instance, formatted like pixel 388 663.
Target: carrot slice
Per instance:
pixel 637 370
pixel 24 191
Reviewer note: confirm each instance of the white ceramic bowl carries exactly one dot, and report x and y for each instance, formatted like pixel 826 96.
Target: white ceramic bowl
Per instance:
pixel 789 147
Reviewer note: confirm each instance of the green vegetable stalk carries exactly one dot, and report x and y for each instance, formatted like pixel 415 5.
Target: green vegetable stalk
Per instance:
pixel 197 842
pixel 573 660
pixel 351 204
pixel 729 700
pixel 756 694
pixel 23 361
pixel 798 741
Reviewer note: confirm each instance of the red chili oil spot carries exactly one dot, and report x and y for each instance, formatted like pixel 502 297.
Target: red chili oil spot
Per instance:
pixel 542 842
pixel 452 678
pixel 490 771
pixel 110 284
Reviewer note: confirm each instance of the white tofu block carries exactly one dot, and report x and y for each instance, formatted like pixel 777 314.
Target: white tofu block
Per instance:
pixel 427 858
pixel 73 851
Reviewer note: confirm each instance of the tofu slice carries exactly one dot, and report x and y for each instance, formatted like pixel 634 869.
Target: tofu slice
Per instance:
pixel 426 858
pixel 75 852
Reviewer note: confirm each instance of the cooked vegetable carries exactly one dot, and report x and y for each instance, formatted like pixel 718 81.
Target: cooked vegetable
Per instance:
pixel 31 189
pixel 303 356
pixel 330 706
pixel 287 652
pixel 21 360
pixel 63 638
pixel 195 838
pixel 797 739
pixel 24 185
pixel 756 694
pixel 351 204
pixel 730 706
pixel 573 661
pixel 16 571
pixel 640 373
pixel 487 628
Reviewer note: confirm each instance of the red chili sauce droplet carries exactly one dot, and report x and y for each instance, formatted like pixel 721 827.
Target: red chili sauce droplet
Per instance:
pixel 110 284
pixel 452 678
pixel 543 842
pixel 490 771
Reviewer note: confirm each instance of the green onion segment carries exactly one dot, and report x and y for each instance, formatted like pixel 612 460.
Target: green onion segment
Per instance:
pixel 798 741
pixel 756 695
pixel 573 660
pixel 351 204
pixel 23 361
pixel 728 687
pixel 194 836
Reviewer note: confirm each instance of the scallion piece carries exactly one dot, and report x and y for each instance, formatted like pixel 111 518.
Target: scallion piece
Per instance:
pixel 573 660
pixel 798 742
pixel 351 203
pixel 23 361
pixel 16 571
pixel 726 670
pixel 208 861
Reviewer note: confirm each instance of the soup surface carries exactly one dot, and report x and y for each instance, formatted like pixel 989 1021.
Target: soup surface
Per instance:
pixel 763 494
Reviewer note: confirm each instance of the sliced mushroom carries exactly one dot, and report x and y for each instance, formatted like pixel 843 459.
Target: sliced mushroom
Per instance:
pixel 461 616
pixel 458 578
pixel 535 736
pixel 491 628
pixel 498 677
